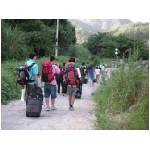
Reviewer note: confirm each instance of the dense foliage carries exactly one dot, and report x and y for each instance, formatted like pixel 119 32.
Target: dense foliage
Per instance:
pixel 104 45
pixel 20 36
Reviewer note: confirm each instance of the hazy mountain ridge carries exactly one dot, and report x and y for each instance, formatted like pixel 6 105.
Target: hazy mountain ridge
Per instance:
pixel 86 27
pixel 139 30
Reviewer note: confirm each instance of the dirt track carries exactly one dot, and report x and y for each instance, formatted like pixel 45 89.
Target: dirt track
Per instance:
pixel 82 118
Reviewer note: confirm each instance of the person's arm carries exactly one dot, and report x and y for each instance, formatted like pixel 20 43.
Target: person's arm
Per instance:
pixel 57 70
pixel 36 80
pixel 35 73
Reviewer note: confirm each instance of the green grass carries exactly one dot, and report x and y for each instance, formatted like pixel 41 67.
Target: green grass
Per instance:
pixel 116 96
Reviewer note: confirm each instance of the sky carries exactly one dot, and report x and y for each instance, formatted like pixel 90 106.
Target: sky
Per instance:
pixel 140 20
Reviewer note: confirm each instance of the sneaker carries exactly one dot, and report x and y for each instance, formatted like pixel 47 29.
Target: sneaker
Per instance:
pixel 53 108
pixel 71 108
pixel 48 108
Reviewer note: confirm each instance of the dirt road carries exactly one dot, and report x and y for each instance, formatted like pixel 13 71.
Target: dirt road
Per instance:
pixel 82 118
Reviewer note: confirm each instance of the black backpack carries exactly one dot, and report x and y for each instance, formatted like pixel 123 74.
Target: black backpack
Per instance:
pixel 23 74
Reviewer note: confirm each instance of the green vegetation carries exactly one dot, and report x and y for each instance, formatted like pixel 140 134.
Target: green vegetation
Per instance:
pixel 21 36
pixel 122 101
pixel 103 45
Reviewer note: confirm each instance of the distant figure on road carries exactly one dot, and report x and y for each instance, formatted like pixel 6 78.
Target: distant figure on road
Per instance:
pixel 83 71
pixel 106 71
pixel 91 75
pixel 97 72
pixel 59 79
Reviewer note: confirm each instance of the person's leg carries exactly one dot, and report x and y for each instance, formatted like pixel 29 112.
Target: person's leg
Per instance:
pixel 69 99
pixel 53 96
pixel 52 102
pixel 47 104
pixel 58 84
pixel 69 92
pixel 74 90
pixel 47 95
pixel 62 85
pixel 90 81
pixel 72 100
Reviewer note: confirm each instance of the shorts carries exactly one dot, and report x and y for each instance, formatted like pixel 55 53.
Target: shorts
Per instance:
pixel 71 90
pixel 50 90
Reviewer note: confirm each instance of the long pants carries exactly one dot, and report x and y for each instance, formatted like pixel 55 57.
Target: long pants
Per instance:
pixel 91 82
pixel 62 85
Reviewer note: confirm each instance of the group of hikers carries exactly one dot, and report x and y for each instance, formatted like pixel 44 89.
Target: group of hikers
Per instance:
pixel 59 79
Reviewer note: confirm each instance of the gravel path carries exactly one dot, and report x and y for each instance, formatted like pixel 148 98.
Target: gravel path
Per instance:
pixel 82 118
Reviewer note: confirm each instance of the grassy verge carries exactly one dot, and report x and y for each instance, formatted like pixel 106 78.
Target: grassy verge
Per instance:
pixel 122 101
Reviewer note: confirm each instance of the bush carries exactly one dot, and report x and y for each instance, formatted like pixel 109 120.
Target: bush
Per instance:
pixel 10 90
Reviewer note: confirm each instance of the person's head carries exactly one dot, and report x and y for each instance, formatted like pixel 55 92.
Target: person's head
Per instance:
pixel 64 64
pixel 72 59
pixel 105 65
pixel 83 63
pixel 33 56
pixel 52 58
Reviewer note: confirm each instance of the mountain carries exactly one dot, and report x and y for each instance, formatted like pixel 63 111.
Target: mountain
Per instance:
pixel 138 30
pixel 86 27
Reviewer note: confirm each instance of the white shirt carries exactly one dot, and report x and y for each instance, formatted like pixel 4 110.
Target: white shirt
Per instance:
pixel 97 71
pixel 79 72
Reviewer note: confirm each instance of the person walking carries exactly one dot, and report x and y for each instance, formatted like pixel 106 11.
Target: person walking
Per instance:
pixel 91 75
pixel 97 73
pixel 50 87
pixel 33 76
pixel 59 79
pixel 72 79
pixel 83 71
pixel 106 71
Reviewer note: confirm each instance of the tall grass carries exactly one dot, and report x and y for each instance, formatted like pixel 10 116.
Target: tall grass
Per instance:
pixel 122 101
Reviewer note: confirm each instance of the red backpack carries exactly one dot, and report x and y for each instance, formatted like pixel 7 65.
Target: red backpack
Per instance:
pixel 47 71
pixel 23 74
pixel 71 74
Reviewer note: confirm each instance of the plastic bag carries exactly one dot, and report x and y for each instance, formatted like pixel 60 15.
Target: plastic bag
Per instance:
pixel 23 95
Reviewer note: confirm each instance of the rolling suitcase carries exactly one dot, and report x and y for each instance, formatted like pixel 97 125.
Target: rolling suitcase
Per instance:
pixel 34 105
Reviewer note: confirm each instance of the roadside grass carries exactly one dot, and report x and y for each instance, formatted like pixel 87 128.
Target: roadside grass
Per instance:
pixel 122 101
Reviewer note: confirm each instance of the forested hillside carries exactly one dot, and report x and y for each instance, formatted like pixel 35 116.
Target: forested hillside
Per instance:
pixel 138 30
pixel 20 36
pixel 86 27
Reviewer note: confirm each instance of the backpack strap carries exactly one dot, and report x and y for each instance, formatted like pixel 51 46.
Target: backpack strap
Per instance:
pixel 29 72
